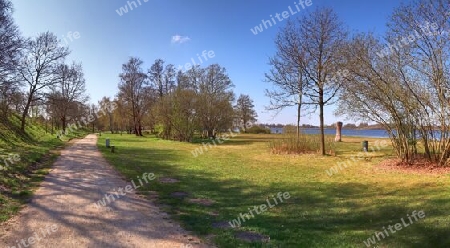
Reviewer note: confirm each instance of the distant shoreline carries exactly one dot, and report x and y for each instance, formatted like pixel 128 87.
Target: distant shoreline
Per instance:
pixel 369 133
pixel 356 129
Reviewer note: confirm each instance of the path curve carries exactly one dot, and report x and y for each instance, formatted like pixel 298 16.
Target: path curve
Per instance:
pixel 65 202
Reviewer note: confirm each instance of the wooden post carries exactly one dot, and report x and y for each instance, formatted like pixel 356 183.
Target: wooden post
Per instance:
pixel 338 132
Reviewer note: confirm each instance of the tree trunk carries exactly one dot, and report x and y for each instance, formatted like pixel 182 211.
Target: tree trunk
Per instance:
pixel 24 116
pixel 111 124
pixel 245 126
pixel 299 106
pixel 27 108
pixel 25 113
pixel 299 109
pixel 63 121
pixel 211 133
pixel 139 127
pixel 322 124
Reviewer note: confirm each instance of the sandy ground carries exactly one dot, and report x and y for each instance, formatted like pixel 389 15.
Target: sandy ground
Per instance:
pixel 62 212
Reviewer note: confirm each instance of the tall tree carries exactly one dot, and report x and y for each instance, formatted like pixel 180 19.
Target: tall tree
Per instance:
pixel 183 114
pixel 108 118
pixel 163 78
pixel 40 58
pixel 156 76
pixel 169 78
pixel 245 111
pixel 215 97
pixel 313 46
pixel 286 74
pixel 68 92
pixel 10 44
pixel 133 92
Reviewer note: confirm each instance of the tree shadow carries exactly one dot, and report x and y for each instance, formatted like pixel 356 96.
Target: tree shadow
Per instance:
pixel 337 213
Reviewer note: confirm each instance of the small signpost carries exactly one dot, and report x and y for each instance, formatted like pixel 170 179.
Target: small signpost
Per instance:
pixel 365 145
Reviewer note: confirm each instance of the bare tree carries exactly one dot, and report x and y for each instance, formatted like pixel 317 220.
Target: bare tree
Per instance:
pixel 163 79
pixel 156 76
pixel 286 73
pixel 321 36
pixel 407 88
pixel 215 99
pixel 104 104
pixel 41 57
pixel 10 44
pixel 306 63
pixel 68 90
pixel 169 78
pixel 133 92
pixel 245 111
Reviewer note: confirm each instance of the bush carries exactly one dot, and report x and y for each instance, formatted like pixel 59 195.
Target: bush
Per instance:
pixel 290 129
pixel 258 130
pixel 289 144
pixel 158 131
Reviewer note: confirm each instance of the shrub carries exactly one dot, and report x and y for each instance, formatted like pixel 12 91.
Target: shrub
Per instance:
pixel 258 130
pixel 289 144
pixel 290 129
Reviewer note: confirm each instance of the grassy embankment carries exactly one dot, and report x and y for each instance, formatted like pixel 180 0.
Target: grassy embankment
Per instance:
pixel 25 159
pixel 342 210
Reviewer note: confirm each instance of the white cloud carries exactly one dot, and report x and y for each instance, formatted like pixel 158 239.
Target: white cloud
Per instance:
pixel 178 39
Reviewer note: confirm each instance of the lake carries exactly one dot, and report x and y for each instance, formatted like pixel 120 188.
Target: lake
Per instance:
pixel 345 132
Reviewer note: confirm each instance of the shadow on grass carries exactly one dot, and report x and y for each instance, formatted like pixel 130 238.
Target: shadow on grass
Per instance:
pixel 318 214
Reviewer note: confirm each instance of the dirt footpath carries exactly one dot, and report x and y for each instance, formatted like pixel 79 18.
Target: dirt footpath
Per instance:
pixel 62 212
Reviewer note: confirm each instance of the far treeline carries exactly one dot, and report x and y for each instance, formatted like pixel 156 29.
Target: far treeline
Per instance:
pixel 400 80
pixel 176 104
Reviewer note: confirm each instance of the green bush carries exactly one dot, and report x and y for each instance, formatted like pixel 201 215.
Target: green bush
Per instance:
pixel 258 130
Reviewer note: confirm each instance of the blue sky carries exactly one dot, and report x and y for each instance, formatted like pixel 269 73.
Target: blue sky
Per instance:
pixel 106 39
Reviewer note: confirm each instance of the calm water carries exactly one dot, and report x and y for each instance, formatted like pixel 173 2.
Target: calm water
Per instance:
pixel 345 132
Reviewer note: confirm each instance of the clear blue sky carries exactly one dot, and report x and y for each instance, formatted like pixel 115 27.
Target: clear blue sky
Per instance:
pixel 106 39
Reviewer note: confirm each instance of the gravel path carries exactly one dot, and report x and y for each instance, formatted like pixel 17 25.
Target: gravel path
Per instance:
pixel 62 212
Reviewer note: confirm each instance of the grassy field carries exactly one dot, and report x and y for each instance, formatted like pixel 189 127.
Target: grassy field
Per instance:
pixel 341 210
pixel 25 160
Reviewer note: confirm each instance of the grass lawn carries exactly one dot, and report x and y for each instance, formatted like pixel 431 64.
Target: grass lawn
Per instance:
pixel 25 160
pixel 342 210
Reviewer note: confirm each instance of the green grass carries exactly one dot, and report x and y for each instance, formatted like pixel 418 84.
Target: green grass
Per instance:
pixel 36 150
pixel 342 210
